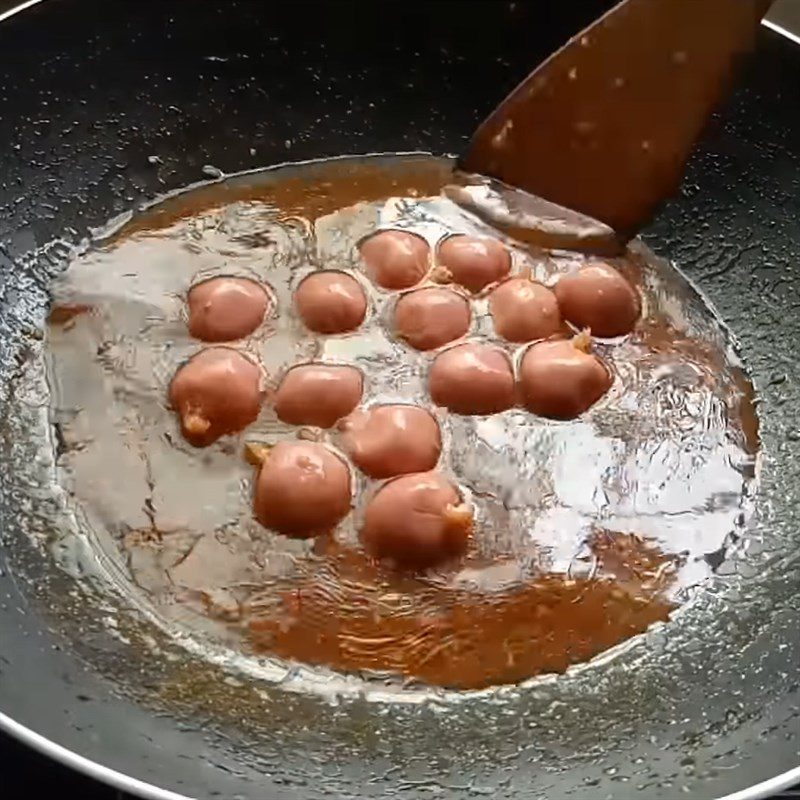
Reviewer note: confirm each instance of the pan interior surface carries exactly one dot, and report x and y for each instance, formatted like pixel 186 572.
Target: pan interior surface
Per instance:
pixel 585 533
pixel 705 714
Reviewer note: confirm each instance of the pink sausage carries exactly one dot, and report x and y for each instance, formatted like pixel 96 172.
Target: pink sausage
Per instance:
pixel 224 309
pixel 417 521
pixel 560 381
pixel 217 392
pixel 317 394
pixel 472 379
pixel 430 318
pixel 474 261
pixel 392 440
pixel 599 298
pixel 330 302
pixel 396 259
pixel 302 489
pixel 523 311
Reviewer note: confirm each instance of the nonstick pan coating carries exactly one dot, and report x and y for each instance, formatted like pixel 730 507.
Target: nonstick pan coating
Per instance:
pixel 90 91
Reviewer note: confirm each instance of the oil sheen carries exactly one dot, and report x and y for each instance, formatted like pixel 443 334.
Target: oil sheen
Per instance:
pixel 586 532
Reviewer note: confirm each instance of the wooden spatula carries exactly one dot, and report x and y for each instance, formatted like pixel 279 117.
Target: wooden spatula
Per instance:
pixel 605 125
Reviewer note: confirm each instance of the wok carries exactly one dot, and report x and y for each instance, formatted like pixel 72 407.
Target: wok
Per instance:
pixel 107 105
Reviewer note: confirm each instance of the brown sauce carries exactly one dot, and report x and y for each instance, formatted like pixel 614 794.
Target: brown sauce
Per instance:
pixel 488 623
pixel 585 532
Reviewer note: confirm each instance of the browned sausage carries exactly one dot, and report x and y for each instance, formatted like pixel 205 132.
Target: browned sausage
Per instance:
pixel 474 261
pixel 417 521
pixel 224 309
pixel 524 310
pixel 396 259
pixel 560 380
pixel 392 440
pixel 430 318
pixel 302 490
pixel 318 394
pixel 472 379
pixel 330 302
pixel 218 391
pixel 599 298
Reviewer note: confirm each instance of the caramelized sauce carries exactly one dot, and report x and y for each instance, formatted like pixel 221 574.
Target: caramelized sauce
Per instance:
pixel 485 624
pixel 586 532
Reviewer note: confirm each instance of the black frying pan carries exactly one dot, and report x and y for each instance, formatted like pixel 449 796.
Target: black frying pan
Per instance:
pixel 703 707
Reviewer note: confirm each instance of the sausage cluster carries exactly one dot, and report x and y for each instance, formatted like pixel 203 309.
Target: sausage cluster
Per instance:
pixel 416 517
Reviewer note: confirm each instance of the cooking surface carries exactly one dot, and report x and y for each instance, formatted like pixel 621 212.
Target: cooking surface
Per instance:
pixel 585 531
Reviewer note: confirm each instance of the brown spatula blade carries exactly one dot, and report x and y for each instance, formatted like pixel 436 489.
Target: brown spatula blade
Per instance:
pixel 606 124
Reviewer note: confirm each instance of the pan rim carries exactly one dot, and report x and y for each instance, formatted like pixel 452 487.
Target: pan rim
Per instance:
pixel 86 766
pixel 779 29
pixel 126 783
pixel 147 791
pixel 16 9
pixel 768 787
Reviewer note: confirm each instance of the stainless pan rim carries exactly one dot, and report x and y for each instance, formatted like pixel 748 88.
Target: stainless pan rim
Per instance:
pixel 768 787
pixel 773 26
pixel 147 791
pixel 92 769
